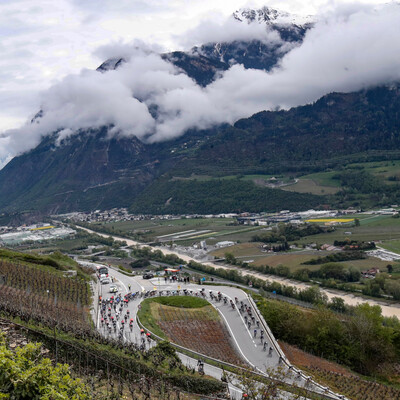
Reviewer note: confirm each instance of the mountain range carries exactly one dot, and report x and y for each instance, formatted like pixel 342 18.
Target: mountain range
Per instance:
pixel 203 169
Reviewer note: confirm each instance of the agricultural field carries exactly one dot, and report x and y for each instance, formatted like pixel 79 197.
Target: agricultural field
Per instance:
pixel 183 231
pixel 339 378
pixel 196 328
pixel 327 183
pixel 253 251
pixel 367 263
pixel 391 245
pixel 382 169
pixel 293 260
pixel 311 186
pixel 372 228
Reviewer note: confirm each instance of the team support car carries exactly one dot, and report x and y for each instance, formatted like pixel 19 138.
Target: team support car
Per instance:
pixel 113 289
pixel 105 281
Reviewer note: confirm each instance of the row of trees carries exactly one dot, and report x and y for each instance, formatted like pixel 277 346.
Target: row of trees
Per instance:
pixel 354 244
pixel 288 232
pixel 336 257
pixel 362 339
pixel 146 253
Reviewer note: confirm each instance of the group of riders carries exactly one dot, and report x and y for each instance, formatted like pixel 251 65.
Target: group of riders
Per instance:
pixel 250 320
pixel 115 309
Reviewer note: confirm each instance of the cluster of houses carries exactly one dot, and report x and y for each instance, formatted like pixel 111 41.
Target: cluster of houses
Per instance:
pixel 246 218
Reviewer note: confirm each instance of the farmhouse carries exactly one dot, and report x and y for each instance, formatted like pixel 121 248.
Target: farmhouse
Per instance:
pixel 371 273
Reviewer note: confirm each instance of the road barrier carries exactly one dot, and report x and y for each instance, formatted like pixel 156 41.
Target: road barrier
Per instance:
pixel 327 392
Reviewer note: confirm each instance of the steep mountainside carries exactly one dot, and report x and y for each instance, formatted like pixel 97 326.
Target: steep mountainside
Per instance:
pixel 338 127
pixel 90 171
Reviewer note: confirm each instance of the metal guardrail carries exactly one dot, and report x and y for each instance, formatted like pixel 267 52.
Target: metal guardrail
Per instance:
pixel 329 394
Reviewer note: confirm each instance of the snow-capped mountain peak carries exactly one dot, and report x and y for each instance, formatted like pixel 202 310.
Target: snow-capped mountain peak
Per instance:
pixel 268 15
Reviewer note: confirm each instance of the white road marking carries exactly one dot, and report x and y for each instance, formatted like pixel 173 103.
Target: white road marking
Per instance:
pixel 122 283
pixel 237 344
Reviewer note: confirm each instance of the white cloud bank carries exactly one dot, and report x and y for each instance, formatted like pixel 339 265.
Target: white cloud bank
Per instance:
pixel 349 49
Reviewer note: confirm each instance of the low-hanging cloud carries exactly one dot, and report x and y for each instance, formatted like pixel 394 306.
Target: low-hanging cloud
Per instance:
pixel 344 51
pixel 228 31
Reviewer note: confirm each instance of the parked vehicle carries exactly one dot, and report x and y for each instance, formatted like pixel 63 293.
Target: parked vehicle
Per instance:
pixel 148 276
pixel 105 281
pixel 101 270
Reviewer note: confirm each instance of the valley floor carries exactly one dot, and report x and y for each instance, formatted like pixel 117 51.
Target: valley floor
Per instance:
pixel 388 310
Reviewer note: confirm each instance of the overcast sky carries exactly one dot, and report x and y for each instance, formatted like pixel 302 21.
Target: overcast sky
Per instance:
pixel 44 41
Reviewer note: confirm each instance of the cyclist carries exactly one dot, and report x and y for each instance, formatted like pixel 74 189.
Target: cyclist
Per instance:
pixel 200 367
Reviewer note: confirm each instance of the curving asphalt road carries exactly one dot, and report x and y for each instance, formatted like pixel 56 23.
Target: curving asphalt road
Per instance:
pixel 250 347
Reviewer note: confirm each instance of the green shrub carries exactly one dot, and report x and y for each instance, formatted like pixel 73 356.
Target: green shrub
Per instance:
pixel 25 374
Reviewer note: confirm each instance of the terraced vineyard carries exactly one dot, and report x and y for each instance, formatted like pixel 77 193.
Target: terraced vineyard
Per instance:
pixel 42 294
pixel 355 387
pixel 199 329
pixel 339 378
pixel 42 282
